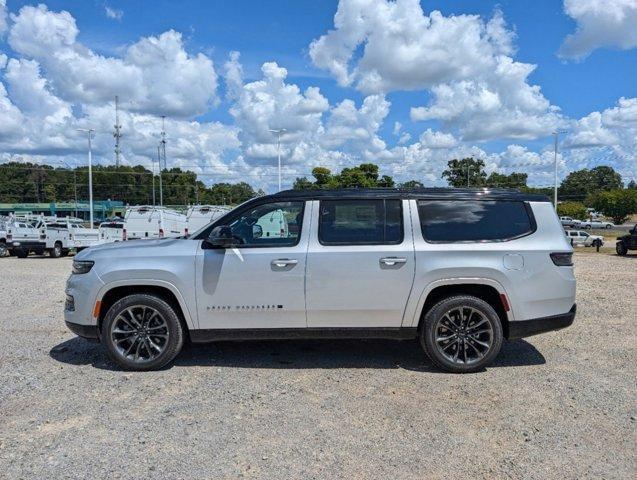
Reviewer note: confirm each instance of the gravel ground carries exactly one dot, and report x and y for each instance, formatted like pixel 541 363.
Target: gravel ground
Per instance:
pixel 559 405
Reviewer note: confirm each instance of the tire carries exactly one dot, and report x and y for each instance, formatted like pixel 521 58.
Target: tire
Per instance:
pixel 3 249
pixel 621 249
pixel 56 251
pixel 21 253
pixel 441 315
pixel 161 320
pixel 596 242
pixel 608 226
pixel 588 227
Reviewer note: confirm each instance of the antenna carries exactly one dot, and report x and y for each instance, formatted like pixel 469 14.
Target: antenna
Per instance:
pixel 118 132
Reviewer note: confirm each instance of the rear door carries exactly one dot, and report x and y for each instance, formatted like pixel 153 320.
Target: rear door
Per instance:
pixel 360 263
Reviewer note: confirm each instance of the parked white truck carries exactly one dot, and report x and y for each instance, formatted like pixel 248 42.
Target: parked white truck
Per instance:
pixel 63 234
pixel 147 222
pixel 112 231
pixel 198 216
pixel 25 236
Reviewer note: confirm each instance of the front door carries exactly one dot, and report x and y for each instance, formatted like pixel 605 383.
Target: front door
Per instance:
pixel 260 282
pixel 360 266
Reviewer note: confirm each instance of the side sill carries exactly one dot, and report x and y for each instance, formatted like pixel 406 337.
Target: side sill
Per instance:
pixel 526 328
pixel 212 335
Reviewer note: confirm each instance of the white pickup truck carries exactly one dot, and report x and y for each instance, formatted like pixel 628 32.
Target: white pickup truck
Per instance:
pixel 24 237
pixel 63 234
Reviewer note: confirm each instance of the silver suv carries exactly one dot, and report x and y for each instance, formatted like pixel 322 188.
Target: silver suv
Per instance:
pixel 460 270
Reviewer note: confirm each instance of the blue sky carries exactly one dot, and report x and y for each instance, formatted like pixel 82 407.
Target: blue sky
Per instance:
pixel 575 83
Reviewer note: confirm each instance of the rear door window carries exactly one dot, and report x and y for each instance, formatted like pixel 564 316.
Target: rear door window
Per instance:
pixel 360 222
pixel 447 221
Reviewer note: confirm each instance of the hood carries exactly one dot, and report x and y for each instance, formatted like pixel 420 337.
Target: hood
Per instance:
pixel 125 247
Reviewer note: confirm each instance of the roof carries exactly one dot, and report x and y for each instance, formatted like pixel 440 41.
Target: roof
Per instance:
pixel 416 193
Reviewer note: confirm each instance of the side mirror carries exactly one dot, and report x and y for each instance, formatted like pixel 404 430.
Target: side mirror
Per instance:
pixel 220 237
pixel 257 231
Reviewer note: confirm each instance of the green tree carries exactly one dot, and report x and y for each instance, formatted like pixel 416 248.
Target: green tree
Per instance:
pixel 579 184
pixel 617 204
pixel 458 171
pixel 500 180
pixel 411 184
pixel 573 210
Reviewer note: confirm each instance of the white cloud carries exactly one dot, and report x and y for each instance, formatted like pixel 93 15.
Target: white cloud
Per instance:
pixel 404 49
pixel 464 61
pixel 3 17
pixel 271 103
pixel 113 13
pixel 155 75
pixel 600 24
pixel 431 139
pixel 500 104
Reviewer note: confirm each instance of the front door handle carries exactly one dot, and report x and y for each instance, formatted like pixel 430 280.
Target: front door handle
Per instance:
pixel 391 261
pixel 283 262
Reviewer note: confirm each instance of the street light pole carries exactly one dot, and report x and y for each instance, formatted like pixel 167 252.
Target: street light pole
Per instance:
pixel 89 132
pixel 278 149
pixel 555 134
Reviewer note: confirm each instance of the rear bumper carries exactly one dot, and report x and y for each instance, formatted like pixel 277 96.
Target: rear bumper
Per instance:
pixel 24 244
pixel 526 328
pixel 85 331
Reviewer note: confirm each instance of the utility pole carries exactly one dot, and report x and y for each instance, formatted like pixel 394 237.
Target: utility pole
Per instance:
pixel 117 133
pixel 556 133
pixel 153 175
pixel 89 132
pixel 279 132
pixel 161 187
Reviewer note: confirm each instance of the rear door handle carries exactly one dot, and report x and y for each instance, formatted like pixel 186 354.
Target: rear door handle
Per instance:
pixel 283 262
pixel 393 260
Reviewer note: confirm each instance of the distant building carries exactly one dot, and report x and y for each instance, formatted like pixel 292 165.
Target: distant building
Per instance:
pixel 102 209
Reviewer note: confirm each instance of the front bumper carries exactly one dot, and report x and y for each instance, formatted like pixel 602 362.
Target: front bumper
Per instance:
pixel 89 332
pixel 526 328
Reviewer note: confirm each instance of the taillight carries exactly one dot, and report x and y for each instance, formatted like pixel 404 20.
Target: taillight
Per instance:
pixel 562 259
pixel 123 234
pixel 161 233
pixel 186 231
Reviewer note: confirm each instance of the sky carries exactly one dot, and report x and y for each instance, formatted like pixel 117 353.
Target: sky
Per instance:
pixel 404 84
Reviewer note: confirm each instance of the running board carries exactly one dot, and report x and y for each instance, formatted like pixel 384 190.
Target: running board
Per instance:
pixel 217 334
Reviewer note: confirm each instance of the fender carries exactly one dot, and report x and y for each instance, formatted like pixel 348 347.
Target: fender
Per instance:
pixel 142 282
pixel 413 311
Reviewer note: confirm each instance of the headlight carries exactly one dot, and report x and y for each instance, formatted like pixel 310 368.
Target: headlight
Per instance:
pixel 82 266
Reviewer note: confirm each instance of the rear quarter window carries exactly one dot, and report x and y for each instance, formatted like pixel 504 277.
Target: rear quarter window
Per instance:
pixel 448 221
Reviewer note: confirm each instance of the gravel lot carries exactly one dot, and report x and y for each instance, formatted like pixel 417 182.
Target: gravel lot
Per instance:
pixel 559 405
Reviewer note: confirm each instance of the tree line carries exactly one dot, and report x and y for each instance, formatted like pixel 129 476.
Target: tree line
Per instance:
pixel 33 183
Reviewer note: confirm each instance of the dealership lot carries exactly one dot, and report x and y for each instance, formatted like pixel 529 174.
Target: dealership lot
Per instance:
pixel 559 405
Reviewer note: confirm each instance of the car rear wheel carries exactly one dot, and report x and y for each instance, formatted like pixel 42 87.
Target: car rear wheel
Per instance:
pixel 56 251
pixel 621 249
pixel 461 334
pixel 142 332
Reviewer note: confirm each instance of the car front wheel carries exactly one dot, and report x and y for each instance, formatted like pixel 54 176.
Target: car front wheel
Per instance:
pixel 461 334
pixel 142 332
pixel 621 249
